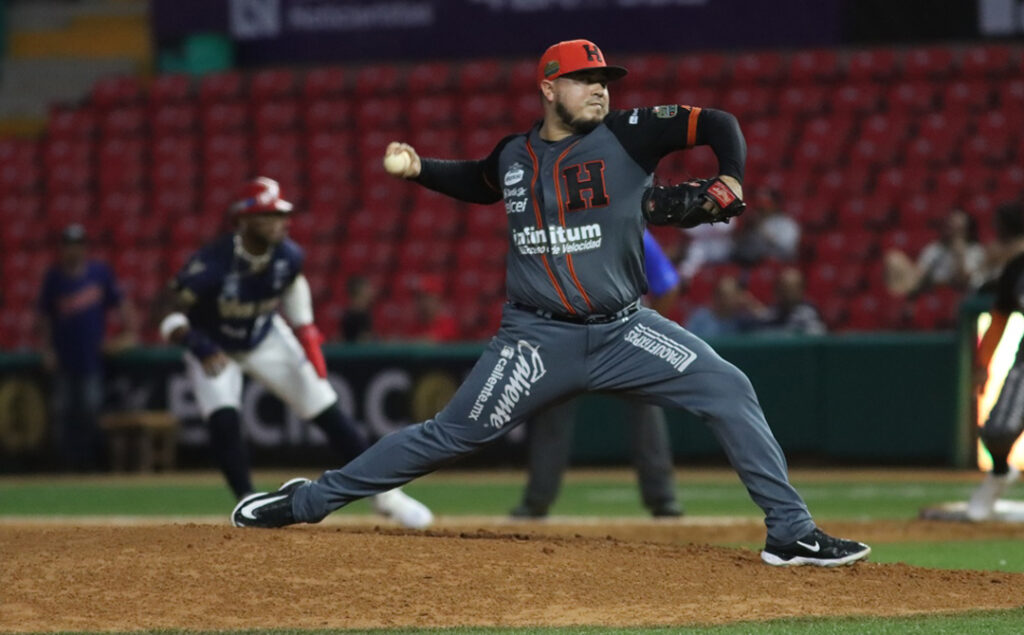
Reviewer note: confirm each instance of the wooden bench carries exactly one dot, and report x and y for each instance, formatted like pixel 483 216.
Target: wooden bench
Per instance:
pixel 143 439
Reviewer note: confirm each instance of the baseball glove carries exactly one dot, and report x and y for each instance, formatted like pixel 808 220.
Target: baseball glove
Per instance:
pixel 692 203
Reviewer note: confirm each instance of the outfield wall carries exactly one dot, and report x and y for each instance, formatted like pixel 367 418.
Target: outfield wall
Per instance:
pixel 872 399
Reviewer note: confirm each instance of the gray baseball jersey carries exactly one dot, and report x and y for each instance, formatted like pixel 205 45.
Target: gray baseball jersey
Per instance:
pixel 573 324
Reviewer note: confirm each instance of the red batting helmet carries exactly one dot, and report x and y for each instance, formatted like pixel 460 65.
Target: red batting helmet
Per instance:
pixel 260 196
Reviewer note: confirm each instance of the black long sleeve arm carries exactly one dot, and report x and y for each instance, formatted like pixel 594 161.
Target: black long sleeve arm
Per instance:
pixel 463 180
pixel 721 131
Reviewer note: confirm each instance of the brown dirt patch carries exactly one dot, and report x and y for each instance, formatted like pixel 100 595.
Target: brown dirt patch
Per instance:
pixel 191 576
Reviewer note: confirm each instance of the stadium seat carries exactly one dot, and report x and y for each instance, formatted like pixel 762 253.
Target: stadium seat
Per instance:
pixel 962 97
pixel 694 95
pixel 650 70
pixel 765 67
pixel 375 80
pixel 220 117
pixel 868 65
pixel 275 116
pixel 814 66
pixel 749 101
pixel 857 98
pixel 126 121
pixel 430 77
pixel 929 62
pixel 637 97
pixel 803 100
pixel 63 177
pixel 911 97
pixel 480 76
pixel 71 123
pixel 116 92
pixel 481 111
pixel 278 145
pixel 521 77
pixel 380 112
pixel 701 69
pixel 441 143
pixel 992 61
pixel 221 87
pixel 173 119
pixel 170 89
pixel 272 85
pixel 432 111
pixel 325 83
pixel 873 211
pixel 326 114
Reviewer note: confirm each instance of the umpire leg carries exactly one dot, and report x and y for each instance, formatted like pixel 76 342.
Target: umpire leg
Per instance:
pixel 652 458
pixel 549 445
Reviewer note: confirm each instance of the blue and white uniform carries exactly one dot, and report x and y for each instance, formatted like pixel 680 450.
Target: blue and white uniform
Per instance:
pixel 234 299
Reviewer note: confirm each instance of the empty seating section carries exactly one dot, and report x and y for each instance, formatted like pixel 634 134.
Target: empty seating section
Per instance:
pixel 869 148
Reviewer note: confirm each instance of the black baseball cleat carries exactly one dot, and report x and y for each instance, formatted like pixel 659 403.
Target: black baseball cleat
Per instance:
pixel 817 549
pixel 267 510
pixel 670 509
pixel 525 511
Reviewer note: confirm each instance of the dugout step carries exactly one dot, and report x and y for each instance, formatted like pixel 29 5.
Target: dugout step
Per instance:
pixel 143 440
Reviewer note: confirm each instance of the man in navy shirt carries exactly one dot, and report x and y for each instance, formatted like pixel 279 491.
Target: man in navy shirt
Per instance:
pixel 77 292
pixel 233 297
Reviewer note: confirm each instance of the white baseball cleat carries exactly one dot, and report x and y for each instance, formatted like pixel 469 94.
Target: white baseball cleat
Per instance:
pixel 403 509
pixel 983 501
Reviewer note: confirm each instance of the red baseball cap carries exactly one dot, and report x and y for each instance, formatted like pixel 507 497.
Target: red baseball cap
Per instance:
pixel 571 56
pixel 260 196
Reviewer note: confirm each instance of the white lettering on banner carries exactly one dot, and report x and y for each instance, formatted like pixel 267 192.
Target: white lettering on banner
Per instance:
pixel 254 19
pixel 661 346
pixel 557 240
pixel 316 15
pixel 525 373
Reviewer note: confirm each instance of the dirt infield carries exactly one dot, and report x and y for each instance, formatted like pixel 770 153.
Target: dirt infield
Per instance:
pixel 196 576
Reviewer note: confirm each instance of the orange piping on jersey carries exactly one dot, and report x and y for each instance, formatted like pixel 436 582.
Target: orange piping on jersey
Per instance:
pixel 561 219
pixel 540 226
pixel 691 127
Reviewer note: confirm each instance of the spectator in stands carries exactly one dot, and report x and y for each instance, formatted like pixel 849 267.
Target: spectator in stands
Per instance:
pixel 709 244
pixel 76 294
pixel 1008 243
pixel 766 232
pixel 956 260
pixel 732 311
pixel 435 321
pixel 791 313
pixel 357 320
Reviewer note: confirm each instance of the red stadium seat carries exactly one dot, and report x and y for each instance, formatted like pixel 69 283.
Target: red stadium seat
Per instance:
pixel 374 80
pixel 993 61
pixel 766 67
pixel 380 112
pixel 173 119
pixel 278 145
pixel 865 212
pixel 814 66
pixel 126 121
pixel 701 96
pixel 221 117
pixel 912 97
pixel 114 206
pixel 441 143
pixel 63 177
pixel 700 69
pixel 70 123
pixel 961 97
pixel 272 85
pixel 221 87
pixel 474 77
pixel 909 241
pixel 638 97
pixel 857 99
pixel 275 116
pixel 920 211
pixel 650 70
pixel 521 77
pixel 432 111
pixel 935 152
pixel 430 77
pixel 173 202
pixel 867 65
pixel 116 92
pixel 328 114
pixel 225 147
pixel 749 100
pixel 431 254
pixel 173 148
pixel 481 111
pixel 804 100
pixel 170 89
pixel 325 83
pixel 931 62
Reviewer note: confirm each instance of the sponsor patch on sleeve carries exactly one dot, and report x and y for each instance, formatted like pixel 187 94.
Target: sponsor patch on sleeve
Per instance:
pixel 666 112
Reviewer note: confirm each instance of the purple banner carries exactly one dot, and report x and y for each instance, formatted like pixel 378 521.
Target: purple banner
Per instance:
pixel 311 31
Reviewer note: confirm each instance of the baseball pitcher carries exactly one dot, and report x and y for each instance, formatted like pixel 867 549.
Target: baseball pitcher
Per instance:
pixel 577 189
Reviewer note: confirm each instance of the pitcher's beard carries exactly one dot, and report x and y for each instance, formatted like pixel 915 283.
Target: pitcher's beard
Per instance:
pixel 578 126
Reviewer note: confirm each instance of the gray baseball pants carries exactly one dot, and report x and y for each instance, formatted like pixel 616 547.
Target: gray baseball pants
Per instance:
pixel 533 362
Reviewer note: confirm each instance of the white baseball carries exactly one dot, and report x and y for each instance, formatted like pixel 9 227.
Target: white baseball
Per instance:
pixel 397 163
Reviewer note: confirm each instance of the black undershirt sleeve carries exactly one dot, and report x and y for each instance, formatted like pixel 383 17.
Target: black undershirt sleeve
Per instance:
pixel 469 181
pixel 721 131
